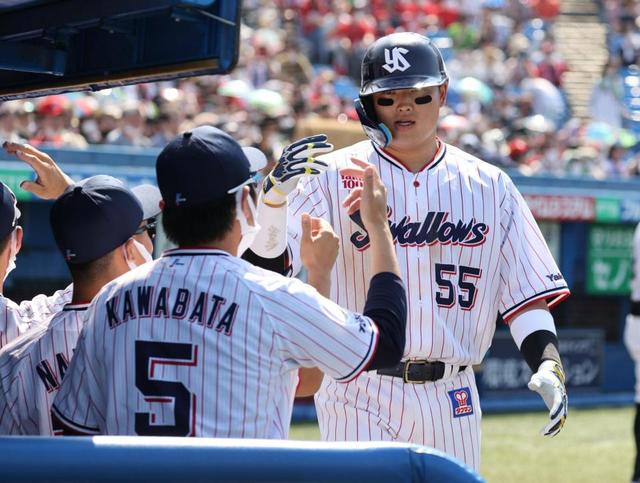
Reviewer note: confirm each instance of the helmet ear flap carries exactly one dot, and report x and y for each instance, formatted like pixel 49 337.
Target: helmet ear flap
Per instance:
pixel 376 131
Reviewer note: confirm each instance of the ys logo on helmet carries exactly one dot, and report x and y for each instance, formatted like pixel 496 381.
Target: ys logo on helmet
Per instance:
pixel 395 60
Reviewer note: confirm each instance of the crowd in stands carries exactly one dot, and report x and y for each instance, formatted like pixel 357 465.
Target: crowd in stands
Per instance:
pixel 301 59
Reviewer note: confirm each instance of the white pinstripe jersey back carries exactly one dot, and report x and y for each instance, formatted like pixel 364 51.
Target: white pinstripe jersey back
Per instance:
pixel 31 370
pixel 466 241
pixel 201 343
pixel 16 320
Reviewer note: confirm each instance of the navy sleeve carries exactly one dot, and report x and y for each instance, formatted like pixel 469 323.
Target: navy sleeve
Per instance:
pixel 386 305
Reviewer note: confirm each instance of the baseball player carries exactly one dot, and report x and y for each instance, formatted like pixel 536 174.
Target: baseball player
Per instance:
pixel 15 319
pixel 50 182
pixel 93 223
pixel 632 342
pixel 468 246
pixel 202 343
pixel 149 197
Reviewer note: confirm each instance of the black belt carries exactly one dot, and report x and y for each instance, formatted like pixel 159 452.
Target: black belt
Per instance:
pixel 418 371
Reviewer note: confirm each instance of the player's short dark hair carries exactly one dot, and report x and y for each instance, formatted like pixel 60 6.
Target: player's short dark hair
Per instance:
pixel 202 223
pixel 85 273
pixel 199 224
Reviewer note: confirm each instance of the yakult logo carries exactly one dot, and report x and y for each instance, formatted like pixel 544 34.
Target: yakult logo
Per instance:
pixel 395 60
pixel 435 228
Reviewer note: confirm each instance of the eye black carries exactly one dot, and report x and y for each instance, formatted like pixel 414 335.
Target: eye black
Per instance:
pixel 424 99
pixel 385 101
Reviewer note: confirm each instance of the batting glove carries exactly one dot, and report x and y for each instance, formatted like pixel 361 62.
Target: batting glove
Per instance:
pixel 549 383
pixel 297 160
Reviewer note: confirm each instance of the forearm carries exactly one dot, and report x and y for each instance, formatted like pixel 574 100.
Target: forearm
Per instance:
pixel 320 281
pixel 383 252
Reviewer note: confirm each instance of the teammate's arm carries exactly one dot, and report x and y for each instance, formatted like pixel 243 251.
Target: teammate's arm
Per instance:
pixel 74 411
pixel 61 428
pixel 386 300
pixel 39 308
pixel 269 250
pixel 50 180
pixel 319 248
pixel 9 423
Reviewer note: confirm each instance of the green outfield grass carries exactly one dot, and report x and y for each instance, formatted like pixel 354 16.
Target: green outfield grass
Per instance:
pixel 596 446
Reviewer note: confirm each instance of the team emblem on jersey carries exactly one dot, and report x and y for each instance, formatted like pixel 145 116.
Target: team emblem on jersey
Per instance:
pixel 461 402
pixel 435 228
pixel 395 60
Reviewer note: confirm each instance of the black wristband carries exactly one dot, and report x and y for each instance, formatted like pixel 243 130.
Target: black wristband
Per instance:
pixel 539 346
pixel 280 264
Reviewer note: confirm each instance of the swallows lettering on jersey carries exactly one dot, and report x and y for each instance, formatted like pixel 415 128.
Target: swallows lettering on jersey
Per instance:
pixel 435 228
pixel 205 309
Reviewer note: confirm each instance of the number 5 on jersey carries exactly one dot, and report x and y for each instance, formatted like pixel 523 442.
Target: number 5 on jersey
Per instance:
pixel 148 356
pixel 467 291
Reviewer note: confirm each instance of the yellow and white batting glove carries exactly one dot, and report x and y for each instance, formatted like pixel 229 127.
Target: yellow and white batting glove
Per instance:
pixel 549 383
pixel 297 160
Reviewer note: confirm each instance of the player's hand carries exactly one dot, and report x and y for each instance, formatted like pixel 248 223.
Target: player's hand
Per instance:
pixel 50 180
pixel 371 199
pixel 319 245
pixel 297 160
pixel 549 383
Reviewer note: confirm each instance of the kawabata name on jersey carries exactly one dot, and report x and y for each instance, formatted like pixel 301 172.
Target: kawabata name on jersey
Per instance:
pixel 204 309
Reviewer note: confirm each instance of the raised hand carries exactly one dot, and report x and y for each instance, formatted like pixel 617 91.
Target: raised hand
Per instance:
pixel 319 245
pixel 50 180
pixel 297 160
pixel 370 200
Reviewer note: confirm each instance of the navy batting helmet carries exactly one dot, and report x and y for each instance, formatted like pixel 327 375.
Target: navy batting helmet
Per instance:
pixel 403 60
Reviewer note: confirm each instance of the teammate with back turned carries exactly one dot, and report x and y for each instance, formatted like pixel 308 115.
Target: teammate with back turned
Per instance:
pixel 468 246
pixel 94 224
pixel 17 319
pixel 202 343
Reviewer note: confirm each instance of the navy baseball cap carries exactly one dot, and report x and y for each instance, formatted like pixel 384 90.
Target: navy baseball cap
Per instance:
pixel 205 164
pixel 9 212
pixel 93 217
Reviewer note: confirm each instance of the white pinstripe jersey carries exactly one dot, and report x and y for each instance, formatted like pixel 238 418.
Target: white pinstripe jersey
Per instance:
pixel 31 371
pixel 635 281
pixel 467 245
pixel 16 320
pixel 201 343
